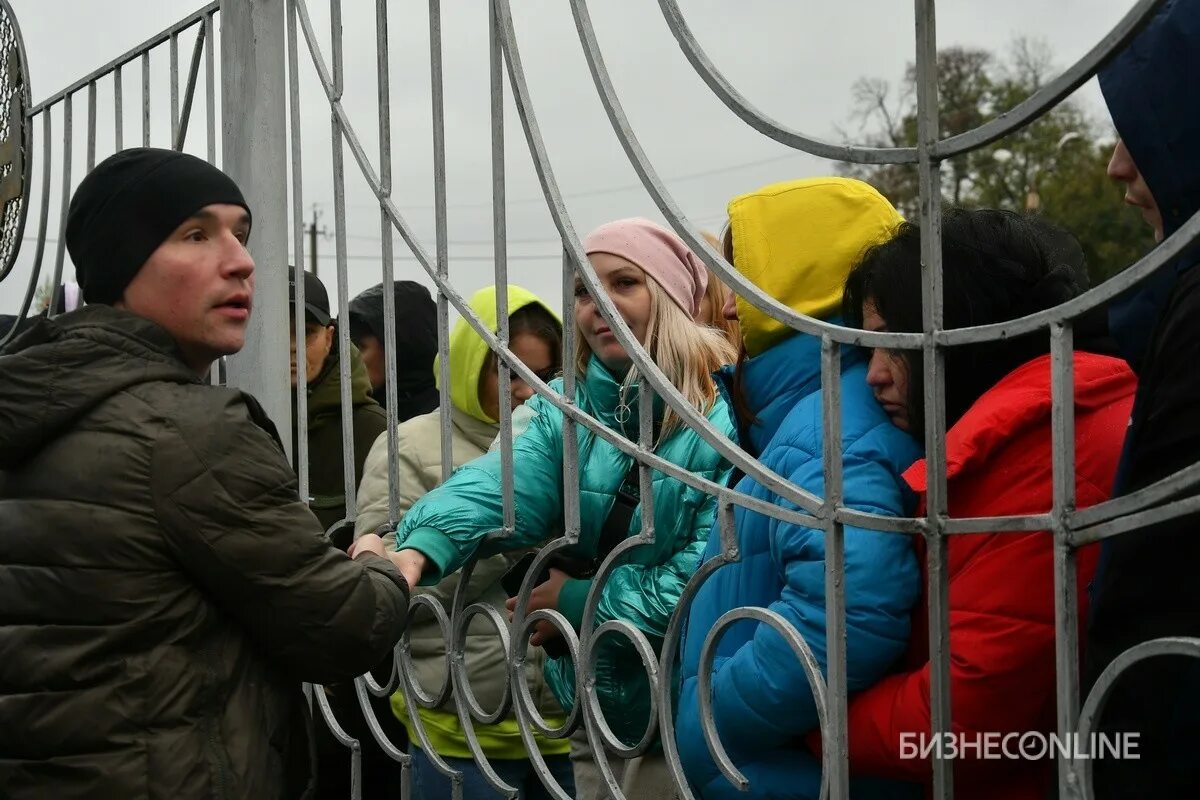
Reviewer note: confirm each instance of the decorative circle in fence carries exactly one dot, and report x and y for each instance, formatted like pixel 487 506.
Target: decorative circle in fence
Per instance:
pixel 16 138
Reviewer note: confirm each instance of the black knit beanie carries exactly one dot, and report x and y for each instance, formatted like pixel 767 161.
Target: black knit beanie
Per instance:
pixel 128 205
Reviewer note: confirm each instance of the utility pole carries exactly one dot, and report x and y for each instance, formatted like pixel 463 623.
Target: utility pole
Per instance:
pixel 254 121
pixel 313 233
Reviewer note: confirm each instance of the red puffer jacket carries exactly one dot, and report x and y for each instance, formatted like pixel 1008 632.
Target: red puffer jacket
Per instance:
pixel 1002 662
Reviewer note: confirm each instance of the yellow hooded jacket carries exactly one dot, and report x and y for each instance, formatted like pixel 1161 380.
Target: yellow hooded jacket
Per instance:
pixel 804 266
pixel 419 469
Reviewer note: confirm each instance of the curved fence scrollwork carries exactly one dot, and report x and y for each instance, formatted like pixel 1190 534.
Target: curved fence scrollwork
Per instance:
pixel 19 117
pixel 1070 527
pixel 16 139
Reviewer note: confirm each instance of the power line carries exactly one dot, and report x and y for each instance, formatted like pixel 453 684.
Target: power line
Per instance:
pixel 609 189
pixel 453 242
pixel 489 259
pixel 701 221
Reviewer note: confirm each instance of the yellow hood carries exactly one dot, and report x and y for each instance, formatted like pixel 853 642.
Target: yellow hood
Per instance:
pixel 797 241
pixel 468 352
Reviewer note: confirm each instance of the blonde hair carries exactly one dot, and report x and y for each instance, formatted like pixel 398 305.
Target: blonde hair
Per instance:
pixel 712 239
pixel 715 295
pixel 686 351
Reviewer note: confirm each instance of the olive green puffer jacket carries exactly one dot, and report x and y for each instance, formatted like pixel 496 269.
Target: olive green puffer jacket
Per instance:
pixel 163 591
pixel 449 523
pixel 326 482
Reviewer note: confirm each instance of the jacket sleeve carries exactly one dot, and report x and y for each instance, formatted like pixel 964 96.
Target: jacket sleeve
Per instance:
pixel 994 685
pixel 373 490
pixel 227 504
pixel 449 523
pixel 521 416
pixel 1146 588
pixel 761 696
pixel 411 485
pixel 646 595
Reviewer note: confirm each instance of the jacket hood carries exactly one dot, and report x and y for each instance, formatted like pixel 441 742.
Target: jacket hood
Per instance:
pixel 58 370
pixel 797 241
pixel 468 352
pixel 325 393
pixel 1148 89
pixel 416 330
pixel 1020 401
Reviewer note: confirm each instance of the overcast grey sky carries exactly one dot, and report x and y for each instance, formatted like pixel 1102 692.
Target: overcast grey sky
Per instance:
pixel 795 59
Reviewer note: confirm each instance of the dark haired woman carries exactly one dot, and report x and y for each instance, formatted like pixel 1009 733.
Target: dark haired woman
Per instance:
pixel 998 266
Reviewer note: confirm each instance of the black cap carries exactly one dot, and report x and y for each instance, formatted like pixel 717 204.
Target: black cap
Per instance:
pixel 316 299
pixel 128 205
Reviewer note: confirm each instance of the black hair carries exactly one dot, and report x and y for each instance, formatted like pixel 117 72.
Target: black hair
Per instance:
pixel 996 266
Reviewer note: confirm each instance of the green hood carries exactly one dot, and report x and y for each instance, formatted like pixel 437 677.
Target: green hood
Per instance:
pixel 468 351
pixel 325 393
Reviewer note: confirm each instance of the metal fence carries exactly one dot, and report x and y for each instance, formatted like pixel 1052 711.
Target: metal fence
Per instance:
pixel 59 153
pixel 262 41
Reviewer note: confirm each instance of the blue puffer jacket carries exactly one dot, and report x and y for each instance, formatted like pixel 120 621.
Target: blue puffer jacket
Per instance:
pixel 761 699
pixel 449 524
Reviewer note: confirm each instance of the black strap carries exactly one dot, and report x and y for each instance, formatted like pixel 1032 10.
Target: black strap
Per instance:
pixel 614 531
pixel 616 525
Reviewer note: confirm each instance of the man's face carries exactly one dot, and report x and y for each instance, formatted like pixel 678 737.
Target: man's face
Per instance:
pixel 1121 168
pixel 199 285
pixel 318 343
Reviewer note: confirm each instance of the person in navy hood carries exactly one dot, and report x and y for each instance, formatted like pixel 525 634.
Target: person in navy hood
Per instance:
pixel 1145 587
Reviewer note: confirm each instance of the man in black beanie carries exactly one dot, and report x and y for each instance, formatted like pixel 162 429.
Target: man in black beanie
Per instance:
pixel 165 591
pixel 415 345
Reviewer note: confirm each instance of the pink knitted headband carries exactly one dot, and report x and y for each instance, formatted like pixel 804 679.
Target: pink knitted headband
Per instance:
pixel 660 253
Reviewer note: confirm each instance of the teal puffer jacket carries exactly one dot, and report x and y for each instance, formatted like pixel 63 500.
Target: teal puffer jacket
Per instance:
pixel 449 523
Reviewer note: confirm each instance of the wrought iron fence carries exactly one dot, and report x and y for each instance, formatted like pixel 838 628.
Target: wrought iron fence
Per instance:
pixel 265 40
pixel 21 117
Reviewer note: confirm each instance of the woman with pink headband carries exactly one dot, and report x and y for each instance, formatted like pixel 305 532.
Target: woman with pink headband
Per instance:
pixel 656 284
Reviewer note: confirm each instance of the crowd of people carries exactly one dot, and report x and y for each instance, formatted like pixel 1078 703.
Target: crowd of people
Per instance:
pixel 166 590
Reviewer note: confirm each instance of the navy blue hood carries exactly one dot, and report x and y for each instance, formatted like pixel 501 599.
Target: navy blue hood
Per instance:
pixel 1149 91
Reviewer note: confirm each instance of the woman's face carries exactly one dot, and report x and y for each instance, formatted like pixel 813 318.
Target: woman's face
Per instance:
pixel 626 286
pixel 533 352
pixel 887 373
